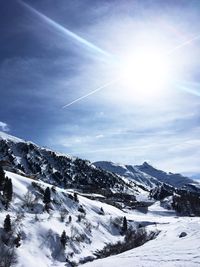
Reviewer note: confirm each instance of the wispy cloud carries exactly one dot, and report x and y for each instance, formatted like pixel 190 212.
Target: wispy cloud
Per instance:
pixel 4 126
pixel 172 148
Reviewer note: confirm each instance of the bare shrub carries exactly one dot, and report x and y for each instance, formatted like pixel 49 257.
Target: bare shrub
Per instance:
pixel 88 226
pixel 116 222
pixel 81 217
pixel 74 231
pixel 63 214
pixel 19 216
pixel 132 240
pixel 81 209
pixel 29 199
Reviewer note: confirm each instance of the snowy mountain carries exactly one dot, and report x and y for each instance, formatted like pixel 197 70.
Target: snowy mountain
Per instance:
pixel 145 174
pixel 26 158
pixel 176 180
pixel 193 175
pixel 129 172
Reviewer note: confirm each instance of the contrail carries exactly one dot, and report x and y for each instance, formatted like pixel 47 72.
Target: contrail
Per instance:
pixel 183 88
pixel 65 31
pixel 90 93
pixel 188 87
pixel 189 90
pixel 189 41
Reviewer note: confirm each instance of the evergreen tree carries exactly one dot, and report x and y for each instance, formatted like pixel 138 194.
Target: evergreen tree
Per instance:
pixel 7 224
pixel 63 239
pixel 47 196
pixel 101 211
pixel 75 197
pixel 2 178
pixel 7 191
pixel 124 227
pixel 79 218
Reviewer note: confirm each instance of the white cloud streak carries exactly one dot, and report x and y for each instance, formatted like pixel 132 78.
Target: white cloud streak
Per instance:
pixel 4 126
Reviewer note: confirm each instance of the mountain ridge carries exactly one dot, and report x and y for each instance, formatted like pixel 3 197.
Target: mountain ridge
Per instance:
pixel 145 174
pixel 68 171
pixel 59 169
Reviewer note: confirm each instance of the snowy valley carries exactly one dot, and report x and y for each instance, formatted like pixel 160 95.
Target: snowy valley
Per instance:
pixel 58 210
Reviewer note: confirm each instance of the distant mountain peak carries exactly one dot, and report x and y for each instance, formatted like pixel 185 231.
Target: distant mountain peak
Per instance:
pixel 128 171
pixel 174 179
pixel 145 174
pixel 145 163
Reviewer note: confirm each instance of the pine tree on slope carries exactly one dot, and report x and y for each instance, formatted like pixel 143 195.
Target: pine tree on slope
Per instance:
pixel 7 191
pixel 47 196
pixel 2 178
pixel 125 226
pixel 63 239
pixel 7 224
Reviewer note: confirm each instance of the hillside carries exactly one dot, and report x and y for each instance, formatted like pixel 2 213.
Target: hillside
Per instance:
pixel 26 158
pixel 88 224
pixel 40 230
pixel 66 171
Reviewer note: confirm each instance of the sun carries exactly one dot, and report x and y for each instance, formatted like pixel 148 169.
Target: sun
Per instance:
pixel 145 72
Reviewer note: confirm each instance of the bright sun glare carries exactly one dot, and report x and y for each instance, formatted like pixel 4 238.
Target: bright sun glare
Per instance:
pixel 145 73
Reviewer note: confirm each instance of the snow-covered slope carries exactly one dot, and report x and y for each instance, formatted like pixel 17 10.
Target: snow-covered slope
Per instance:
pixel 40 231
pixel 62 170
pixel 168 249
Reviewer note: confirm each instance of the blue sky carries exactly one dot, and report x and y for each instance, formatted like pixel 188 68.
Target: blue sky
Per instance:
pixel 42 69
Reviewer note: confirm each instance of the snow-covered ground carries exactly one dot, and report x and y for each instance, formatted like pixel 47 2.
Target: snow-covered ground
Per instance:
pixel 40 232
pixel 168 249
